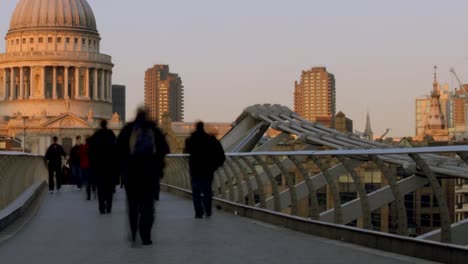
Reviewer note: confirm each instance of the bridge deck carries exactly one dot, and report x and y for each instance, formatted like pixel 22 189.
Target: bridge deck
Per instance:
pixel 68 229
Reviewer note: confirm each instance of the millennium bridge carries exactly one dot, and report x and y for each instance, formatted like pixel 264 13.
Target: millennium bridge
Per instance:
pixel 307 202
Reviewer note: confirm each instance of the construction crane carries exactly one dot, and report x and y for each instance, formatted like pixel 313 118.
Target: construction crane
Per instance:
pixel 452 70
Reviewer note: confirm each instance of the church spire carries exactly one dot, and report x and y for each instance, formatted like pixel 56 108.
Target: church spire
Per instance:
pixel 368 132
pixel 435 84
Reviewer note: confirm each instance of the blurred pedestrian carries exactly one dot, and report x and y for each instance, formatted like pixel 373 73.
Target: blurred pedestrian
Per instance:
pixel 74 163
pixel 85 168
pixel 102 157
pixel 54 156
pixel 142 148
pixel 206 156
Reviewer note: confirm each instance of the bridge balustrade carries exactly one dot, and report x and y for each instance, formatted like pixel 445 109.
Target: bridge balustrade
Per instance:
pixel 336 186
pixel 18 172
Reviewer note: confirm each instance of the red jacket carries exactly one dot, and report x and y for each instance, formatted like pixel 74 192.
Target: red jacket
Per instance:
pixel 84 157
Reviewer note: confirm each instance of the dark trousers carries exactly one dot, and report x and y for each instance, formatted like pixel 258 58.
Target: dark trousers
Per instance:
pixel 140 212
pixel 90 183
pixel 202 195
pixel 77 175
pixel 55 170
pixel 105 195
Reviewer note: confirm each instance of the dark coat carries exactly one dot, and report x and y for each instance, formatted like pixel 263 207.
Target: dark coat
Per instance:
pixel 142 172
pixel 102 156
pixel 54 155
pixel 206 155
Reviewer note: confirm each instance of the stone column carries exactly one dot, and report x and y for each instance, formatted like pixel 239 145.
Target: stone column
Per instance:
pixel 21 88
pixel 103 84
pixel 43 82
pixel 87 87
pixel 95 85
pixel 32 82
pixel 54 82
pixel 5 88
pixel 65 83
pixel 12 83
pixel 77 82
pixel 109 85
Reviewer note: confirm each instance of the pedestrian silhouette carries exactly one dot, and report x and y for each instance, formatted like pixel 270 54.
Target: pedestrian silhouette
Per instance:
pixel 85 168
pixel 142 148
pixel 102 157
pixel 54 156
pixel 206 156
pixel 74 163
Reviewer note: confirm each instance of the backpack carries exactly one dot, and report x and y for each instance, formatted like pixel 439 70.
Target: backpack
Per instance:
pixel 218 153
pixel 142 141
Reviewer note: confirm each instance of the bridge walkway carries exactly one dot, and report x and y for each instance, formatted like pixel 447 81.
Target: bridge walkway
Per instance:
pixel 69 229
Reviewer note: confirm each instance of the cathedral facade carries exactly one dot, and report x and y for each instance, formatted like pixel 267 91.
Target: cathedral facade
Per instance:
pixel 53 79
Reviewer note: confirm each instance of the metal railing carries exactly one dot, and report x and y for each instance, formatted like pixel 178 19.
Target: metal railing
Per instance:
pixel 307 183
pixel 18 172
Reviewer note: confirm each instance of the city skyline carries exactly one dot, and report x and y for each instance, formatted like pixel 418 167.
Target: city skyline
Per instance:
pixel 383 52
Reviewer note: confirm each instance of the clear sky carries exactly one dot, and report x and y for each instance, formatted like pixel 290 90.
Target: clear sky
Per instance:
pixel 232 54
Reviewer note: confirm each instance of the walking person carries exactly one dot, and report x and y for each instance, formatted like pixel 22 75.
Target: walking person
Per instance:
pixel 74 163
pixel 54 156
pixel 102 157
pixel 83 153
pixel 206 156
pixel 142 148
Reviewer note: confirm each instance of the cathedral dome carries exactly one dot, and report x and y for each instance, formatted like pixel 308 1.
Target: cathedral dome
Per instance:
pixel 69 14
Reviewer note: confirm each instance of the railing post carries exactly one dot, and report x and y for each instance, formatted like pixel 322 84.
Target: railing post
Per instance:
pixel 334 189
pixel 245 172
pixel 313 201
pixel 274 186
pixel 258 180
pixel 235 175
pixel 399 199
pixel 446 235
pixel 366 212
pixel 289 182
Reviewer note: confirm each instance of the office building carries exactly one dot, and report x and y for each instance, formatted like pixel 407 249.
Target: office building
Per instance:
pixel 164 93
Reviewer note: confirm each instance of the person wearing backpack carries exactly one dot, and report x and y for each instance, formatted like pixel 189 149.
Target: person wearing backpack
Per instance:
pixel 206 156
pixel 142 148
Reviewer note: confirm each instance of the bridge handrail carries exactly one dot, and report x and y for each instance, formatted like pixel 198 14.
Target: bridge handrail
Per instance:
pixel 18 172
pixel 280 180
pixel 345 152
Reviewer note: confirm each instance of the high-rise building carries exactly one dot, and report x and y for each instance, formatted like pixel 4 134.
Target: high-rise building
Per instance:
pixel 164 94
pixel 314 95
pixel 118 100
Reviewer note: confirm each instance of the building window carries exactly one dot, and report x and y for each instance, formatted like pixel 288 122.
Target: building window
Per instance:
pixel 425 201
pixel 31 40
pixel 17 41
pixel 89 42
pixel 67 40
pixel 83 42
pixel 59 40
pixel 76 40
pixel 425 220
pixel 41 40
pixel 49 40
pixel 24 40
pixel 436 219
